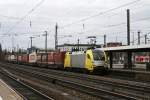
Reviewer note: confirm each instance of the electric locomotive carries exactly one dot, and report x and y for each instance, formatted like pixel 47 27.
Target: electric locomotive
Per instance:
pixel 89 60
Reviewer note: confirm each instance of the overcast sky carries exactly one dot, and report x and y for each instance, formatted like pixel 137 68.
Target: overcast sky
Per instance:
pixel 15 17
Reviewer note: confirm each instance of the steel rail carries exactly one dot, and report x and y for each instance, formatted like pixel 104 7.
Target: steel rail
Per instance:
pixel 24 90
pixel 105 94
pixel 102 80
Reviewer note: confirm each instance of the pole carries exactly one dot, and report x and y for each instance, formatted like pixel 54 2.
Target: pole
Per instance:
pixel 31 42
pixel 139 37
pixel 104 40
pixel 128 27
pixel 46 41
pixel 78 43
pixel 12 39
pixel 56 40
pixel 129 54
pixel 145 38
pixel 46 47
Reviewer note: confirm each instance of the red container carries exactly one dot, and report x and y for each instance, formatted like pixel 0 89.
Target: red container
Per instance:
pixel 19 58
pixel 59 58
pixel 51 58
pixel 25 58
pixel 42 58
pixel 38 58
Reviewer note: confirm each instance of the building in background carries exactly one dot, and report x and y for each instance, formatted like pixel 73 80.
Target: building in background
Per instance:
pixel 118 57
pixel 80 47
pixel 30 50
pixel 114 44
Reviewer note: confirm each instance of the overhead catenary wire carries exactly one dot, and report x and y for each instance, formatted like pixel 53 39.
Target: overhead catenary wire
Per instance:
pixel 82 32
pixel 118 24
pixel 29 12
pixel 25 20
pixel 141 36
pixel 113 25
pixel 134 21
pixel 100 13
pixel 10 17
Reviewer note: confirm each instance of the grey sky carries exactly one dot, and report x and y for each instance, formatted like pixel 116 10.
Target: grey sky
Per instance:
pixel 65 12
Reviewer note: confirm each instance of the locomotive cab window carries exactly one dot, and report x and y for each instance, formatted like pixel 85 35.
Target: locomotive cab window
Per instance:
pixel 88 56
pixel 98 55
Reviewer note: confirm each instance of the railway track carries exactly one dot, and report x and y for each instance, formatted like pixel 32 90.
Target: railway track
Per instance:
pixel 103 94
pixel 93 89
pixel 137 86
pixel 24 90
pixel 99 87
pixel 136 75
pixel 48 87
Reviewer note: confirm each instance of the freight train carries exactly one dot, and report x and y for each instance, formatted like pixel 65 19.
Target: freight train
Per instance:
pixel 89 60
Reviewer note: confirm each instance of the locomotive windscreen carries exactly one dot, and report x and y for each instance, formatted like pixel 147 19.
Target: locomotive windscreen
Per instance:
pixel 98 55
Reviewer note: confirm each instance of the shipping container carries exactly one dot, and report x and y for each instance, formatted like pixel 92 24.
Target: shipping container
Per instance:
pixel 33 57
pixel 25 58
pixel 51 58
pixel 59 58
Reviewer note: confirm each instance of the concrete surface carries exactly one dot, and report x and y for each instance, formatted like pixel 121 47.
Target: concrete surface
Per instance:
pixel 138 66
pixel 6 93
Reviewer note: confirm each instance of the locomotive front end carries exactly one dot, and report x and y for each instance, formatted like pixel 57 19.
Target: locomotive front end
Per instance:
pixel 99 60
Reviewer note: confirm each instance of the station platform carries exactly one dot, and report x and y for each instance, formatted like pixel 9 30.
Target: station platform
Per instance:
pixel 134 70
pixel 140 75
pixel 6 93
